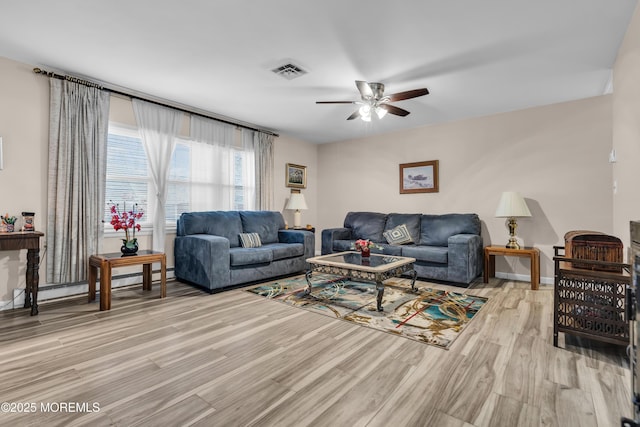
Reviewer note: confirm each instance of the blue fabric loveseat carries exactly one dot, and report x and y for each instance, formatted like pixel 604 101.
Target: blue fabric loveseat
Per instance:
pixel 446 247
pixel 209 253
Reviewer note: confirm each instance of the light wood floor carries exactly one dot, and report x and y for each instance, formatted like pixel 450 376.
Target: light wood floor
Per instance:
pixel 236 359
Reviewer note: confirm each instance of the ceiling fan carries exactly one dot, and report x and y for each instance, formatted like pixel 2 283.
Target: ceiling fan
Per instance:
pixel 374 100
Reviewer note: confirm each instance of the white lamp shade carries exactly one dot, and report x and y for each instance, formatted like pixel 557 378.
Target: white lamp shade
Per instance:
pixel 297 202
pixel 512 205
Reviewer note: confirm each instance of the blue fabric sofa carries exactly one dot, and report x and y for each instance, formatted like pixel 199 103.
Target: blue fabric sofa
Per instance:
pixel 446 247
pixel 209 254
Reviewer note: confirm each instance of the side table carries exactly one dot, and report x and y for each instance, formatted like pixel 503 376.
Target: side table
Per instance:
pixel 490 253
pixel 29 240
pixel 106 263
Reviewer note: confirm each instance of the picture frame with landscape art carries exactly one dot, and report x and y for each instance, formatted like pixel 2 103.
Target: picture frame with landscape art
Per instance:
pixel 419 177
pixel 296 176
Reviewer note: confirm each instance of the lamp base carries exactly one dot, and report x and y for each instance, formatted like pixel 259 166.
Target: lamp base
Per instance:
pixel 297 219
pixel 513 243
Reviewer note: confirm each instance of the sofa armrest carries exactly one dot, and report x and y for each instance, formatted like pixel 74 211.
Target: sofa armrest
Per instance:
pixel 307 238
pixel 331 234
pixel 465 257
pixel 203 259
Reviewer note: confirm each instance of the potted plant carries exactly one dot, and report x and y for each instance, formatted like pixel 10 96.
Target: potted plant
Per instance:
pixel 127 221
pixel 9 222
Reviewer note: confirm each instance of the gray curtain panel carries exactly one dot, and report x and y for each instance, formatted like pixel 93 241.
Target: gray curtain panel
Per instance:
pixel 78 127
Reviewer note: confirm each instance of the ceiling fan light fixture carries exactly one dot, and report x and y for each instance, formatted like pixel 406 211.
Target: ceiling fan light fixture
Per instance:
pixel 365 112
pixel 373 99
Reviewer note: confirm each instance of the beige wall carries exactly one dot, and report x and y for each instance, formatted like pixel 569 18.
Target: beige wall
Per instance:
pixel 555 156
pixel 626 131
pixel 291 150
pixel 24 128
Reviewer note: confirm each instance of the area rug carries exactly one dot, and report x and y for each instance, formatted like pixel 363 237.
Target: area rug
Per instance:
pixel 431 316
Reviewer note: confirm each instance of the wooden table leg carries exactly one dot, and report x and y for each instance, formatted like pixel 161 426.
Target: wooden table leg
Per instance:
pixel 146 276
pixel 105 286
pixel 33 277
pixel 163 277
pixel 489 266
pixel 93 275
pixel 535 270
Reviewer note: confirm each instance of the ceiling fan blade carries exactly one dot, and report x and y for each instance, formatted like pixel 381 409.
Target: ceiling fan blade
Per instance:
pixel 355 115
pixel 408 94
pixel 394 110
pixel 365 89
pixel 336 102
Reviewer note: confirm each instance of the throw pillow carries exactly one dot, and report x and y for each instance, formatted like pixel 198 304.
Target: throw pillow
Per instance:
pixel 398 235
pixel 250 240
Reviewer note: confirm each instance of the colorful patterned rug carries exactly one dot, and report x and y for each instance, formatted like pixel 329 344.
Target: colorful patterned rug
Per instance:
pixel 431 316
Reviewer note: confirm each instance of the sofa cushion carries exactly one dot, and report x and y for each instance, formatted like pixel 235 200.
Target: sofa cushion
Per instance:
pixel 250 240
pixel 412 221
pixel 366 225
pixel 217 223
pixel 285 250
pixel 398 235
pixel 265 223
pixel 435 230
pixel 248 256
pixel 395 250
pixel 436 254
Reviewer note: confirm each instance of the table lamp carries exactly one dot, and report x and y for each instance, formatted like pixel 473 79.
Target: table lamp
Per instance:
pixel 297 202
pixel 512 206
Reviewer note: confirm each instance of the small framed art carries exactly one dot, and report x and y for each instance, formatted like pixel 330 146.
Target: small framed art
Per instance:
pixel 419 177
pixel 296 176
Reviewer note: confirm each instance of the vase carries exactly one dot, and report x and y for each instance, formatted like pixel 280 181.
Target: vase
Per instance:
pixel 10 228
pixel 129 247
pixel 365 252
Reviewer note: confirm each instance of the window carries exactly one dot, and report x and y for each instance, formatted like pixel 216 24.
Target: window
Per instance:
pixel 128 178
pixel 194 182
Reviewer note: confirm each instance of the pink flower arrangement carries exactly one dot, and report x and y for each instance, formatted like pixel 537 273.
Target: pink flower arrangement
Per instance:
pixel 126 220
pixel 365 243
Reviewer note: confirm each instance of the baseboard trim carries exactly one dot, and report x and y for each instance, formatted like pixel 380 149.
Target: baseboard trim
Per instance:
pixel 55 291
pixel 524 278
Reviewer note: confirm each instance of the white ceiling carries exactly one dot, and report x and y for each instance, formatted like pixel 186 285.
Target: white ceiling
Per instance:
pixel 475 57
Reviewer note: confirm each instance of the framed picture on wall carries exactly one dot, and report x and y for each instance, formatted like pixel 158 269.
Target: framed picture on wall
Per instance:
pixel 296 176
pixel 419 177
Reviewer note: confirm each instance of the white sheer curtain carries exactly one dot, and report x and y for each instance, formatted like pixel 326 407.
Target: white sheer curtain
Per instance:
pixel 159 127
pixel 212 164
pixel 78 126
pixel 248 174
pixel 261 144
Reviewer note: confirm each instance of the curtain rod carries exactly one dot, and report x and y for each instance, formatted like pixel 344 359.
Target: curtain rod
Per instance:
pixel 131 95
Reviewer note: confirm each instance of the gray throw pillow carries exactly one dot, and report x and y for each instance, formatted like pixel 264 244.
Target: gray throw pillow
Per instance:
pixel 398 235
pixel 250 240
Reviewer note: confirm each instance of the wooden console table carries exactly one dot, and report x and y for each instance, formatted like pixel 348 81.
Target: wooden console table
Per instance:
pixel 106 262
pixel 29 240
pixel 490 261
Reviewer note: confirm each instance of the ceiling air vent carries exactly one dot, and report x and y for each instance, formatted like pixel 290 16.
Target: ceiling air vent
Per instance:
pixel 289 71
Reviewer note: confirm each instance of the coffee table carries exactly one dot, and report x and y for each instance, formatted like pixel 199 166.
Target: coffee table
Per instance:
pixel 377 269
